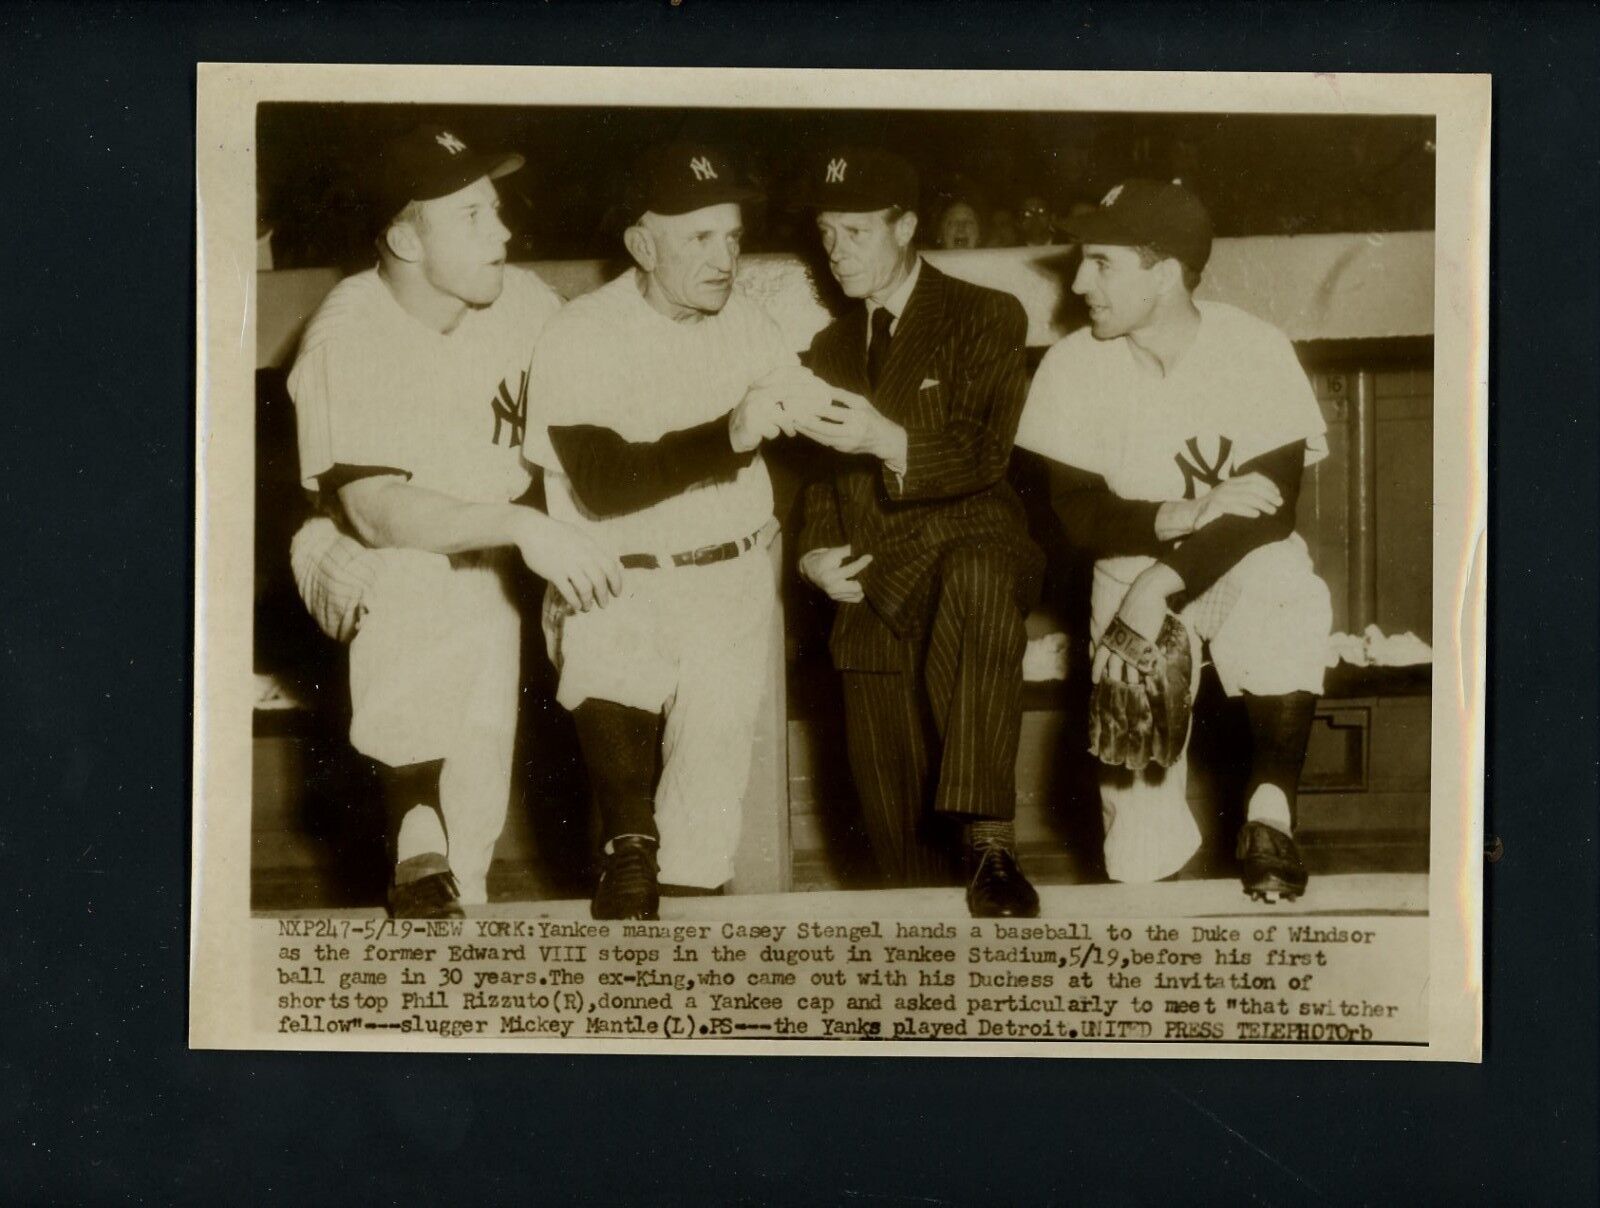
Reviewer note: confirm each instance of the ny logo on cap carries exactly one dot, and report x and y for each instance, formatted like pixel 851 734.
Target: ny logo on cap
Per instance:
pixel 836 169
pixel 702 169
pixel 1110 199
pixel 450 142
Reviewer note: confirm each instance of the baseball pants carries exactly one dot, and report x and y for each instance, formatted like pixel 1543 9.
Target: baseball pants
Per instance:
pixel 434 674
pixel 691 643
pixel 936 744
pixel 1266 623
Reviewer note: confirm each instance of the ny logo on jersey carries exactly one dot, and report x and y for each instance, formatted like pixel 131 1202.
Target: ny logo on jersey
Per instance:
pixel 511 413
pixel 1200 470
pixel 836 169
pixel 702 169
pixel 450 143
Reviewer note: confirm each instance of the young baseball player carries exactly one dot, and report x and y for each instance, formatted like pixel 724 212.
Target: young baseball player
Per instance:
pixel 1181 429
pixel 410 394
pixel 654 394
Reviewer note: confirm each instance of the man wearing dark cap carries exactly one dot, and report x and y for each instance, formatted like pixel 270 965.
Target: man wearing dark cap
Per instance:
pixel 410 389
pixel 1180 429
pixel 653 396
pixel 919 538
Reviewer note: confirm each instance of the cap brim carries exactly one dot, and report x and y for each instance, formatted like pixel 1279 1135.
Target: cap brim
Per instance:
pixel 848 203
pixel 505 165
pixel 700 199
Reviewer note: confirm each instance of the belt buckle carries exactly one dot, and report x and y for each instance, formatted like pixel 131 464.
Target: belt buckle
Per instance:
pixel 707 554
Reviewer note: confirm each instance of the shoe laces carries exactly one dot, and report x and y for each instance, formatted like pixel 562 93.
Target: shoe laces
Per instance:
pixel 994 850
pixel 631 868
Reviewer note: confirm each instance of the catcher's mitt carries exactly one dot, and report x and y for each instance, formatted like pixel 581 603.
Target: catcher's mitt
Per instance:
pixel 1131 724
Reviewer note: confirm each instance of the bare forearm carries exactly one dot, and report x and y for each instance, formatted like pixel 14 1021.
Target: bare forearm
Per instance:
pixel 391 514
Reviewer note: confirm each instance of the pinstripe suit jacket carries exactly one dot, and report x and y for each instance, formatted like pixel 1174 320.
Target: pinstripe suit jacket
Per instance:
pixel 955 380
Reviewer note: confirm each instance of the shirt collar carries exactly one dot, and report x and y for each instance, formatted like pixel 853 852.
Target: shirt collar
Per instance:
pixel 895 303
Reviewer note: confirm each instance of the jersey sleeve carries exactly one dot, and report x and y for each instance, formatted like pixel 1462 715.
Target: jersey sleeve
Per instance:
pixel 342 414
pixel 556 390
pixel 1058 419
pixel 1282 407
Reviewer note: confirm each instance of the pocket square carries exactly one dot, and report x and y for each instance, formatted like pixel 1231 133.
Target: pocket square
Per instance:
pixel 928 383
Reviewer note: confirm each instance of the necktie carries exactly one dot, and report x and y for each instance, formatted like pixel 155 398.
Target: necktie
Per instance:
pixel 878 345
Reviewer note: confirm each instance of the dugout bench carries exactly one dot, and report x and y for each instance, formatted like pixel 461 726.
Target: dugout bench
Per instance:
pixel 1359 308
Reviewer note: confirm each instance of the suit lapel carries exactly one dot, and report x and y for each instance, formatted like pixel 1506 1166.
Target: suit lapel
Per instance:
pixel 916 336
pixel 848 350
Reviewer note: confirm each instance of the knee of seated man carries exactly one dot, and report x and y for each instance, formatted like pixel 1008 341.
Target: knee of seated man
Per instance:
pixel 973 575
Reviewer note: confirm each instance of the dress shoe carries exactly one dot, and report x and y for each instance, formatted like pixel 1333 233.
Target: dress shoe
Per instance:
pixel 998 890
pixel 1269 863
pixel 628 888
pixel 428 890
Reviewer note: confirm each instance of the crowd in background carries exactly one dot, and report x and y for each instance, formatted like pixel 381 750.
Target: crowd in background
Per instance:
pixel 989 179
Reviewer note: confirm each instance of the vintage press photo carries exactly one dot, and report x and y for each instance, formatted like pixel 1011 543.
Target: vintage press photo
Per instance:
pixel 839 562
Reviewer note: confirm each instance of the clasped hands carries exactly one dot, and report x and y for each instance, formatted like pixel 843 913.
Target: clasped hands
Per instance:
pixel 1142 610
pixel 793 401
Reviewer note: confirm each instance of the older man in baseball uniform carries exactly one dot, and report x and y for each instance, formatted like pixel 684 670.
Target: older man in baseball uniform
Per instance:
pixel 918 537
pixel 1181 430
pixel 655 393
pixel 410 392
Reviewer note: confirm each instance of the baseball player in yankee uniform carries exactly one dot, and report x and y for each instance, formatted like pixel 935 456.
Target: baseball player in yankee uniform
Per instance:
pixel 653 395
pixel 1181 429
pixel 410 392
pixel 919 538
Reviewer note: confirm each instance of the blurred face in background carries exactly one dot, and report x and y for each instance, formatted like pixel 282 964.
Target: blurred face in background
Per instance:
pixel 959 227
pixel 1035 221
pixel 1003 230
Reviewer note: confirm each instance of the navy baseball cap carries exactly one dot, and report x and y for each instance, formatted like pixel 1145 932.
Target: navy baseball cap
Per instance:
pixel 857 180
pixel 432 161
pixel 1149 213
pixel 679 178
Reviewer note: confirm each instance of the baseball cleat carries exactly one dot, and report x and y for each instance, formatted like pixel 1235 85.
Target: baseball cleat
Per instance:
pixel 1269 864
pixel 628 887
pixel 429 890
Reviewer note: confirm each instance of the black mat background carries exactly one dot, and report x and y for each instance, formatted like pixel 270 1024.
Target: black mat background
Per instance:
pixel 100 1101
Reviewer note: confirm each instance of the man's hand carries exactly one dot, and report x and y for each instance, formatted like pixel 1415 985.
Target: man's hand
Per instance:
pixel 575 566
pixel 851 424
pixel 774 403
pixel 1247 495
pixel 1143 610
pixel 828 569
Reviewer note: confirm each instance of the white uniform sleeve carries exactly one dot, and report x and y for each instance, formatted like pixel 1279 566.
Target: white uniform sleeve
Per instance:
pixel 341 412
pixel 1060 419
pixel 561 388
pixel 1282 408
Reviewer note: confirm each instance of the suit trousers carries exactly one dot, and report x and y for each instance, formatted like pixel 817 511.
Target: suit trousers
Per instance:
pixel 934 743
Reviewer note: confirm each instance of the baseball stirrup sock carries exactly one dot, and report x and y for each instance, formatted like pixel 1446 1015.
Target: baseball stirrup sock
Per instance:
pixel 1279 729
pixel 411 796
pixel 621 750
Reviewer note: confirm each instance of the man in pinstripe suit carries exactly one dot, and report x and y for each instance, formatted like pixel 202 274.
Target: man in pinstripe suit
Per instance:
pixel 917 536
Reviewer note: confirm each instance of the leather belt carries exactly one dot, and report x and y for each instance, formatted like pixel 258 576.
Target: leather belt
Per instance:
pixel 704 556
